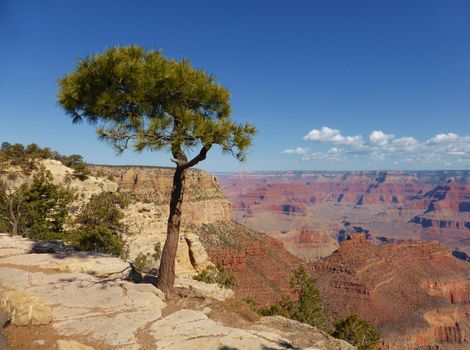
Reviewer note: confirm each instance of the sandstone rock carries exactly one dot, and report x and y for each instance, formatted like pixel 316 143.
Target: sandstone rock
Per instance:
pixel 25 309
pixel 146 219
pixel 14 245
pixel 189 329
pixel 303 335
pixel 71 345
pixel 96 264
pixel 204 290
pixel 197 253
pixel 110 313
pixel 64 175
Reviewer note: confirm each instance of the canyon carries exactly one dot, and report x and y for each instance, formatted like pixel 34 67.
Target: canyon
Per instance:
pixel 380 244
pixel 351 231
pixel 390 205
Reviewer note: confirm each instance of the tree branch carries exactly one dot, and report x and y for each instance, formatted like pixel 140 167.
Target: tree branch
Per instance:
pixel 200 157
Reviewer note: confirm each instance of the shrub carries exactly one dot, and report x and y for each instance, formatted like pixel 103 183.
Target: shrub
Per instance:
pixel 46 207
pixel 146 262
pixel 307 308
pixel 157 251
pixel 37 210
pixel 99 226
pixel 75 162
pixel 216 274
pixel 143 262
pixel 358 332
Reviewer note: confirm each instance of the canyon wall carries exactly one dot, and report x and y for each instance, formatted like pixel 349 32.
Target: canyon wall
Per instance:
pixel 416 293
pixel 393 205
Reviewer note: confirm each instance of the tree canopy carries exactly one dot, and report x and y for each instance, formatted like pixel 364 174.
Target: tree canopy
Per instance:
pixel 146 100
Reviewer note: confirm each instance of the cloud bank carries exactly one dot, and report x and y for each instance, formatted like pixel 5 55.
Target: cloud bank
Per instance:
pixel 444 149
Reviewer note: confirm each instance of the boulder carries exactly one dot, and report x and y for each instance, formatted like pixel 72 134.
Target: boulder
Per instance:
pixel 25 309
pixel 204 290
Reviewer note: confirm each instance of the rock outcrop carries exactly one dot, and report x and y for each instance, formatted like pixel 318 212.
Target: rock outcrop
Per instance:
pixel 94 308
pixel 307 244
pixel 146 218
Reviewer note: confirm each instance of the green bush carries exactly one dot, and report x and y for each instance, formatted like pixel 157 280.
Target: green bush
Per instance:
pixel 146 262
pixel 358 332
pixel 216 274
pixel 307 306
pixel 37 210
pixel 99 227
pixel 75 162
pixel 143 262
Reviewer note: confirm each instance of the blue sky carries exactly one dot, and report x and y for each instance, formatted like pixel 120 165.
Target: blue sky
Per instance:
pixel 329 84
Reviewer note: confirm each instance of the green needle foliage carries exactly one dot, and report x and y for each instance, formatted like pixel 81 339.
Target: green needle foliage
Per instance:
pixel 216 274
pixel 358 332
pixel 37 210
pixel 307 308
pixel 142 100
pixel 99 224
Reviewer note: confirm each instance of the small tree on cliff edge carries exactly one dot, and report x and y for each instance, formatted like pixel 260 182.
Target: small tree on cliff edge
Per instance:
pixel 140 99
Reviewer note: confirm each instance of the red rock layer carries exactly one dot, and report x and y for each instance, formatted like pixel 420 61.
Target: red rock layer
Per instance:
pixel 425 205
pixel 261 266
pixel 396 286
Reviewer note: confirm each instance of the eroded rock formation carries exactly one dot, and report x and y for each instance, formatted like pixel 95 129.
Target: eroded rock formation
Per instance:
pixel 416 293
pixel 432 205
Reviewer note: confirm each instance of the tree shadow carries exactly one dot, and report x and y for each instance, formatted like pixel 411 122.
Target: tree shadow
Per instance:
pixel 282 345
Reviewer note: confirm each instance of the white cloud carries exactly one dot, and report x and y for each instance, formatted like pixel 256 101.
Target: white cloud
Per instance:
pixel 298 150
pixel 328 135
pixel 443 148
pixel 379 138
pixel 443 138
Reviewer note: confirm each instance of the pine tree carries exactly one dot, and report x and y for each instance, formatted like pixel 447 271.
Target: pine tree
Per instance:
pixel 358 332
pixel 141 99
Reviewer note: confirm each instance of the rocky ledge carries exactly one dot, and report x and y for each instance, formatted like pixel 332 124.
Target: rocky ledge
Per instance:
pixel 53 298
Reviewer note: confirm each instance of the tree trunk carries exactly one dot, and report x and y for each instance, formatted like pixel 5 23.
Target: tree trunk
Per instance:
pixel 14 218
pixel 166 274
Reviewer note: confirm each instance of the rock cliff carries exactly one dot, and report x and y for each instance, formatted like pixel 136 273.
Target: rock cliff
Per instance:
pixel 146 217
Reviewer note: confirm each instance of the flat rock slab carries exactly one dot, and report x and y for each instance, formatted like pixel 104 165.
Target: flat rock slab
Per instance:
pixel 189 329
pixel 82 303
